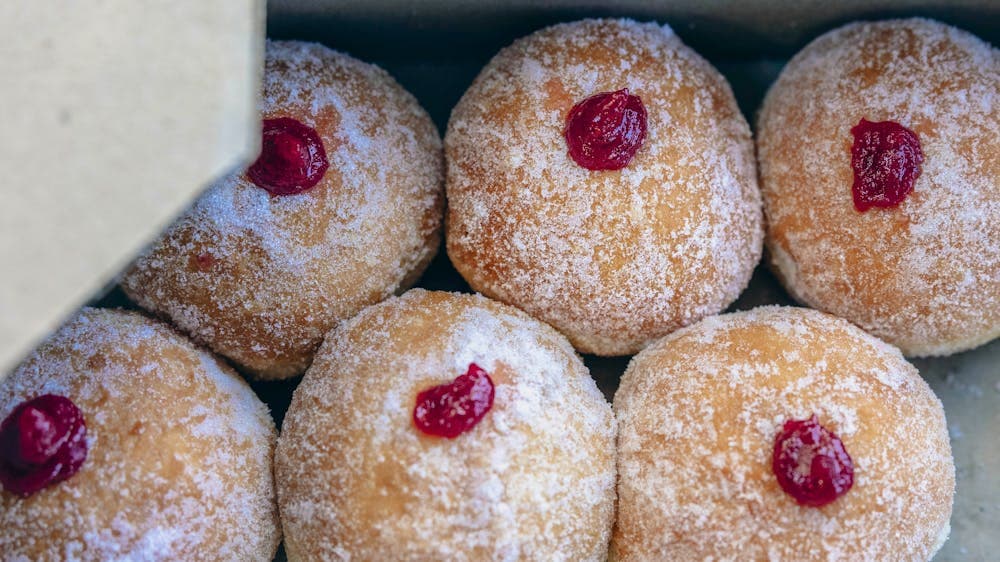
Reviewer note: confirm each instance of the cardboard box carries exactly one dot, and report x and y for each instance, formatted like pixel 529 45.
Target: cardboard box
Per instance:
pixel 114 115
pixel 434 49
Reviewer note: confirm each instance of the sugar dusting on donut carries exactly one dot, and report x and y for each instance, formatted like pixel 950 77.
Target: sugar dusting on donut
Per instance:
pixel 924 275
pixel 533 480
pixel 698 413
pixel 611 259
pixel 278 272
pixel 179 463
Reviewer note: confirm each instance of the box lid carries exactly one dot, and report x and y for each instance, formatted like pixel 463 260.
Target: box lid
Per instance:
pixel 114 115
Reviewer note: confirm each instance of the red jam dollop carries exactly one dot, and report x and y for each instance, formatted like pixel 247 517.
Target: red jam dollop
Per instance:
pixel 42 442
pixel 605 130
pixel 811 463
pixel 204 261
pixel 292 158
pixel 451 409
pixel 886 159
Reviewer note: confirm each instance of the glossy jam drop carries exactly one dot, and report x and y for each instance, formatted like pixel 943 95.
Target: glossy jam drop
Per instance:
pixel 204 261
pixel 42 442
pixel 811 463
pixel 605 131
pixel 292 158
pixel 451 409
pixel 886 159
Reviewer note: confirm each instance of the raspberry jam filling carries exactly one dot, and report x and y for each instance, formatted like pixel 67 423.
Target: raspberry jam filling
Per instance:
pixel 292 158
pixel 42 442
pixel 886 159
pixel 811 463
pixel 204 261
pixel 451 409
pixel 605 131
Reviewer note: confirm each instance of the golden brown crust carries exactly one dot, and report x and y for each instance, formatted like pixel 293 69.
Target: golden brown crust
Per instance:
pixel 180 451
pixel 925 275
pixel 284 270
pixel 534 480
pixel 611 259
pixel 698 412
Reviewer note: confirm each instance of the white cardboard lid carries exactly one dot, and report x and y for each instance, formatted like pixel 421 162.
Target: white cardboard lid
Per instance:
pixel 114 115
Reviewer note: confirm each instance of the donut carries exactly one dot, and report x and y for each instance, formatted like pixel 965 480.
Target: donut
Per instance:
pixel 440 426
pixel 880 172
pixel 123 441
pixel 780 433
pixel 342 209
pixel 601 178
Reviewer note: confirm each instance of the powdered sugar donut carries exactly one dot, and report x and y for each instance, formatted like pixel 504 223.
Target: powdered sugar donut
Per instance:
pixel 783 434
pixel 342 209
pixel 511 457
pixel 860 117
pixel 615 229
pixel 176 450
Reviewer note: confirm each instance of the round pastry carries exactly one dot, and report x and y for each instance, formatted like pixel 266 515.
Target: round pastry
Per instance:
pixel 122 441
pixel 342 208
pixel 880 169
pixel 439 426
pixel 780 433
pixel 601 178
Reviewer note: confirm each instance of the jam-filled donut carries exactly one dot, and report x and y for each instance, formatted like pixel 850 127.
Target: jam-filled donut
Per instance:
pixel 121 440
pixel 439 426
pixel 880 169
pixel 779 433
pixel 342 208
pixel 601 178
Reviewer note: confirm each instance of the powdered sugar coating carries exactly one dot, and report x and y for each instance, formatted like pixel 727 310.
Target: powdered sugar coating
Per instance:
pixel 698 412
pixel 925 275
pixel 180 451
pixel 260 278
pixel 612 259
pixel 534 480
